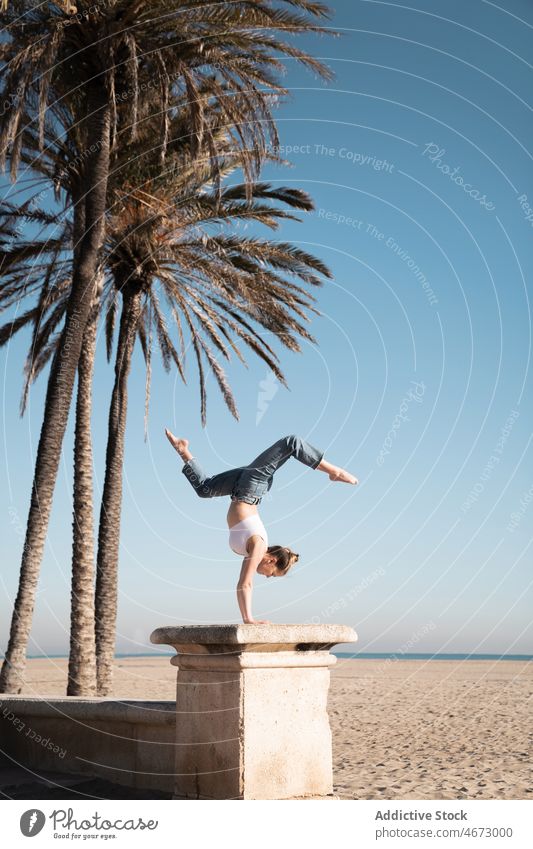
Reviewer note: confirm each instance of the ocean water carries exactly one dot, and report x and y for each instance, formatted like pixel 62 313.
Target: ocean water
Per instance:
pixel 358 655
pixel 436 656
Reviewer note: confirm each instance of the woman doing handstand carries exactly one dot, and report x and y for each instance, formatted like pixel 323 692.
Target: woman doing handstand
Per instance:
pixel 246 485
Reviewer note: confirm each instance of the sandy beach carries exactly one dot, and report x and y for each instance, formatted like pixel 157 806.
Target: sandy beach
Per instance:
pixel 404 729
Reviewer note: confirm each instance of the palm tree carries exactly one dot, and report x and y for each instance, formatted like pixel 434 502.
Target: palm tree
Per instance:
pixel 33 268
pixel 45 62
pixel 217 285
pixel 159 246
pixel 82 654
pixel 98 72
pixel 26 276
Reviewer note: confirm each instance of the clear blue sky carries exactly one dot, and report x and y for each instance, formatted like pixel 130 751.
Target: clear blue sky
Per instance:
pixel 424 348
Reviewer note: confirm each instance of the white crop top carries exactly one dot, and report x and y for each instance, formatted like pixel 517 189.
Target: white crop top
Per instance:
pixel 240 533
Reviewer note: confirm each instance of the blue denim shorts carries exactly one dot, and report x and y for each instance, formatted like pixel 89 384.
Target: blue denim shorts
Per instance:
pixel 249 489
pixel 248 499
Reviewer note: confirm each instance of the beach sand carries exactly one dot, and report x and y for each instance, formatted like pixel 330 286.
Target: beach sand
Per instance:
pixel 404 729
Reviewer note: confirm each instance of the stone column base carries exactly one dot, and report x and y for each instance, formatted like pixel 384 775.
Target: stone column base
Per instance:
pixel 251 710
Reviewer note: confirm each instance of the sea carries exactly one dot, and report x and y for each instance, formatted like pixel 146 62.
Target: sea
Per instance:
pixel 357 656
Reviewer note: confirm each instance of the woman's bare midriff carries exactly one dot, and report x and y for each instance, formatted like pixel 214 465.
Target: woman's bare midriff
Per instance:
pixel 239 510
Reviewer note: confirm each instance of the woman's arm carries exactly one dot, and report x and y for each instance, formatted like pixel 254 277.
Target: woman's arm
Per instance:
pixel 245 584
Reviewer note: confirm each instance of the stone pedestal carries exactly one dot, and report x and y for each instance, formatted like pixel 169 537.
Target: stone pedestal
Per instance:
pixel 251 709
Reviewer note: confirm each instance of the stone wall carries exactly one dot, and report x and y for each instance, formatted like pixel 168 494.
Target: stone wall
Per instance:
pixel 130 742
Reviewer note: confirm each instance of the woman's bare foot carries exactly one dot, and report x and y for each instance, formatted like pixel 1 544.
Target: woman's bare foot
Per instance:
pixel 181 445
pixel 335 473
pixel 342 475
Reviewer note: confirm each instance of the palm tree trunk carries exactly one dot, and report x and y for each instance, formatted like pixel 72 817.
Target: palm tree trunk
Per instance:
pixel 60 388
pixel 109 527
pixel 82 658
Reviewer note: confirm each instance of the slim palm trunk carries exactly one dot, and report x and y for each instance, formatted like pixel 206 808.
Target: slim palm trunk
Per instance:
pixel 82 657
pixel 109 526
pixel 59 391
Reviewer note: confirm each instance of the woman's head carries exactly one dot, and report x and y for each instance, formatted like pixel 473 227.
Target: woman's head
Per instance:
pixel 282 558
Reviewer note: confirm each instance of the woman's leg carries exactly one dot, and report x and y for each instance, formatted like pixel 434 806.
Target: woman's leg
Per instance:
pixel 267 463
pixel 270 460
pixel 210 486
pixel 205 486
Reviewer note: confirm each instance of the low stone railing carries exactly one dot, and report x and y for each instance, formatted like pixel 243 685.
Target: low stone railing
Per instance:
pixel 251 709
pixel 129 742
